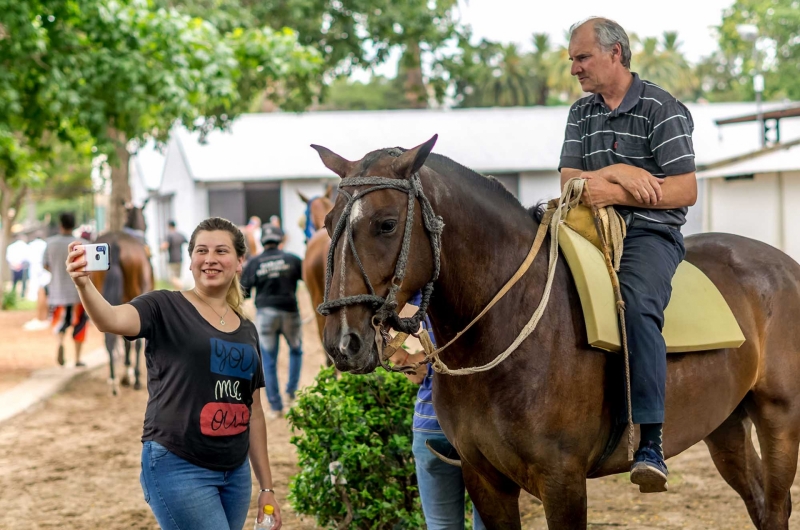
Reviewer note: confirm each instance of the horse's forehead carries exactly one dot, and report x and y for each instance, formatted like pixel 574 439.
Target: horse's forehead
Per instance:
pixel 374 164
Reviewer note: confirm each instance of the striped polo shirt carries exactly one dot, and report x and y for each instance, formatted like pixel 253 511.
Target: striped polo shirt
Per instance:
pixel 650 129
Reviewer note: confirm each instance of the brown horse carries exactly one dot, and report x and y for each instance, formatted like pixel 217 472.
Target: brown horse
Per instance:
pixel 544 419
pixel 317 249
pixel 130 275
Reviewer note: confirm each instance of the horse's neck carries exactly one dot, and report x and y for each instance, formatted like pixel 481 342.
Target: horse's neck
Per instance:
pixel 483 244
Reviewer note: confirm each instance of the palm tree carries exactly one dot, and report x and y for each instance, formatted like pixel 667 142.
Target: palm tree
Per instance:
pixel 541 65
pixel 663 63
pixel 560 80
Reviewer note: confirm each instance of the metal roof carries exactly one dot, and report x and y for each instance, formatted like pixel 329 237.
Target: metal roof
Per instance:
pixel 789 112
pixel 773 162
pixel 275 146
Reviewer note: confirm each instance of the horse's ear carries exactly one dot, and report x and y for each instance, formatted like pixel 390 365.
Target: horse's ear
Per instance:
pixel 302 197
pixel 409 162
pixel 339 165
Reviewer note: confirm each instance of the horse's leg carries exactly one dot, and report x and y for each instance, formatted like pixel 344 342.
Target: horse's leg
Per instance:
pixel 126 377
pixel 563 494
pixel 111 343
pixel 495 496
pixel 137 385
pixel 776 423
pixel 731 448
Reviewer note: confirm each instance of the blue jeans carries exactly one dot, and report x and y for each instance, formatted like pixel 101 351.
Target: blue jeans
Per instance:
pixel 184 496
pixel 651 257
pixel 271 324
pixel 441 488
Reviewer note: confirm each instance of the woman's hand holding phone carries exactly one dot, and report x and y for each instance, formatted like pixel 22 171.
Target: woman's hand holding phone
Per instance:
pixel 83 259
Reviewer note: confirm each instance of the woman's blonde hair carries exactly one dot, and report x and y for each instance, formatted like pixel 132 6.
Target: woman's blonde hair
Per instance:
pixel 235 295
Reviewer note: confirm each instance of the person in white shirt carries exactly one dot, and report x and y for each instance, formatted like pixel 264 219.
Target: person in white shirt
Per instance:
pixel 18 262
pixel 39 278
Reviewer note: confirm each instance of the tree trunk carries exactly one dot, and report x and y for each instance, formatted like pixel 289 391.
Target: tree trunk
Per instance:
pixel 10 201
pixel 411 67
pixel 120 186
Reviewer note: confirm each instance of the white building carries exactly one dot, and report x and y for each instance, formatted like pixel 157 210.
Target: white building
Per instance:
pixel 259 165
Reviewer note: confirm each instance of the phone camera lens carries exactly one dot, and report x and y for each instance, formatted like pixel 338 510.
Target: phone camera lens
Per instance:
pixel 97 257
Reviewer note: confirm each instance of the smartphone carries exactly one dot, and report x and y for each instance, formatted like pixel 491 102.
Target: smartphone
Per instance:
pixel 96 257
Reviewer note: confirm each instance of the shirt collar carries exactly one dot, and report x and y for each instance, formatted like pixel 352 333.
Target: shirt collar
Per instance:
pixel 631 96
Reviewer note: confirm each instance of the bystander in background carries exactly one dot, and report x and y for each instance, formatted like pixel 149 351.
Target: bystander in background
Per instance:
pixel 173 246
pixel 18 262
pixel 63 296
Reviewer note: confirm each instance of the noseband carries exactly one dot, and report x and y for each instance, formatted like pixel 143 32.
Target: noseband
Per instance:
pixel 385 308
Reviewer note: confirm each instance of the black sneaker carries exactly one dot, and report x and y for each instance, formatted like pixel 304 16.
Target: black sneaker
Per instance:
pixel 649 471
pixel 80 364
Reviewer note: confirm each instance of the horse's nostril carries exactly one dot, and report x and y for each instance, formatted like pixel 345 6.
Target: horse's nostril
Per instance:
pixel 350 344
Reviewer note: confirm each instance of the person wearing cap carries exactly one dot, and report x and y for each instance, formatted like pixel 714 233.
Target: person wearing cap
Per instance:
pixel 274 275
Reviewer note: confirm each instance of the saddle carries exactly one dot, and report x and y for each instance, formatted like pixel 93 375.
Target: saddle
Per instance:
pixel 697 318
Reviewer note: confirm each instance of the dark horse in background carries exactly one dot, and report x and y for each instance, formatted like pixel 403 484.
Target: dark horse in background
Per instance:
pixel 543 419
pixel 317 246
pixel 130 275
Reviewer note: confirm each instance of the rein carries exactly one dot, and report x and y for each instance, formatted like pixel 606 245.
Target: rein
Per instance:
pixel 552 220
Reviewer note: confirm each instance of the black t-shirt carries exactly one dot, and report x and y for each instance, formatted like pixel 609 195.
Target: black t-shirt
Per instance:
pixel 200 381
pixel 175 240
pixel 274 273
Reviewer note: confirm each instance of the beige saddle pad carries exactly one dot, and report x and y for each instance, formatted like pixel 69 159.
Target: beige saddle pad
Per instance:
pixel 697 318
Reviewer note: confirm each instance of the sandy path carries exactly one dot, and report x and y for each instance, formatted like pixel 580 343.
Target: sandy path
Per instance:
pixel 23 351
pixel 73 463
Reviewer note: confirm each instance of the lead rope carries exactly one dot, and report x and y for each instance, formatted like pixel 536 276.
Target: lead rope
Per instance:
pixel 552 220
pixel 612 235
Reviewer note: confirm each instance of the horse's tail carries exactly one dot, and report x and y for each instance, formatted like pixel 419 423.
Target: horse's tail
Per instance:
pixel 114 280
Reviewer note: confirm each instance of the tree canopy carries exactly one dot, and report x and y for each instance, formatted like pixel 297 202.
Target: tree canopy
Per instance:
pixel 727 75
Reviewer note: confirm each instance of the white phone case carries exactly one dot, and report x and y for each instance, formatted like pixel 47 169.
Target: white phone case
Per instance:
pixel 97 257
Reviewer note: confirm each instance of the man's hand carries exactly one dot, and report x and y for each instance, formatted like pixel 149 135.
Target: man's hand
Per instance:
pixel 643 186
pixel 599 192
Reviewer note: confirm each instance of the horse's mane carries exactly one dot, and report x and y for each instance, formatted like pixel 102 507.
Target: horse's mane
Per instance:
pixel 442 164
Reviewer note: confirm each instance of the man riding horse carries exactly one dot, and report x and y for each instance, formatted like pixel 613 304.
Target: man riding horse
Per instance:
pixel 632 141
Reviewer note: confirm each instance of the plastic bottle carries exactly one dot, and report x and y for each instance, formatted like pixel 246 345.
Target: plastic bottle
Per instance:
pixel 268 521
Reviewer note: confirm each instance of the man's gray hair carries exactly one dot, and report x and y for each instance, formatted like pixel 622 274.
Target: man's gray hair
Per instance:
pixel 608 34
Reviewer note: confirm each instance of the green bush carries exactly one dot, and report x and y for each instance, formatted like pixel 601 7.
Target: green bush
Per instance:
pixel 9 300
pixel 364 423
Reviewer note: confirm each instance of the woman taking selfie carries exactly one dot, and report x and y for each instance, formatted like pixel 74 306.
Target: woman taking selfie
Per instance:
pixel 204 425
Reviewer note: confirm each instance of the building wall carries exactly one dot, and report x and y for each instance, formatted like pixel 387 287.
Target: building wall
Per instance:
pixel 789 184
pixel 293 209
pixel 748 207
pixel 188 206
pixel 535 186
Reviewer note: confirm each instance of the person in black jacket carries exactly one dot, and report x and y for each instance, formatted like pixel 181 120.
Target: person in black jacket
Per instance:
pixel 274 275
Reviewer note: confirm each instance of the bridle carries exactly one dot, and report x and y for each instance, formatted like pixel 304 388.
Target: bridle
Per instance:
pixel 385 308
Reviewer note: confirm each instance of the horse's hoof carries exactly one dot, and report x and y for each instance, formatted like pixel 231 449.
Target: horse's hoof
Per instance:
pixel 114 386
pixel 137 385
pixel 125 381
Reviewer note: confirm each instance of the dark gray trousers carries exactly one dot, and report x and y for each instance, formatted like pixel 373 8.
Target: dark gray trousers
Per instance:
pixel 650 258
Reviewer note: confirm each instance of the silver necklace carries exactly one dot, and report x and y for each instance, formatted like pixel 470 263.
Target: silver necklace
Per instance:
pixel 222 316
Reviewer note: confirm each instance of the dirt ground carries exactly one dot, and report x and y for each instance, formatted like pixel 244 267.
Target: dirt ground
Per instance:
pixel 23 351
pixel 73 461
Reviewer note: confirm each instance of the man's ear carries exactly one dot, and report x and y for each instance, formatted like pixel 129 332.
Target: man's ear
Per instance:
pixel 409 162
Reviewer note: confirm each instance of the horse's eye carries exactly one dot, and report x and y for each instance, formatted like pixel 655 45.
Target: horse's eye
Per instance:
pixel 387 227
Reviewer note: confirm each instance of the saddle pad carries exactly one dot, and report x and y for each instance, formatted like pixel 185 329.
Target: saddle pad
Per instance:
pixel 697 318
